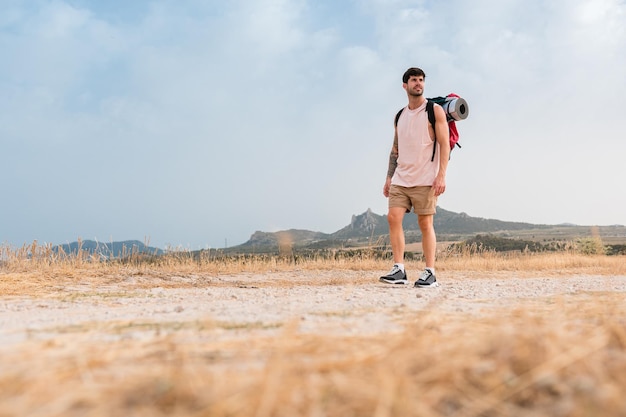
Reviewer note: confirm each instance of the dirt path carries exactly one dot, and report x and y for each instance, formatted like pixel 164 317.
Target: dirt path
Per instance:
pixel 318 302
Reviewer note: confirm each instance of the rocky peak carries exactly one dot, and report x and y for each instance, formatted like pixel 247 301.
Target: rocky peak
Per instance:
pixel 366 221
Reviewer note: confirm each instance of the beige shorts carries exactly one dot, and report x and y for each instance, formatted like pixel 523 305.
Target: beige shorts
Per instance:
pixel 421 198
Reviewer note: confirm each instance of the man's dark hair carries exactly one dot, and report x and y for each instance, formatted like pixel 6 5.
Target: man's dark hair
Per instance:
pixel 412 72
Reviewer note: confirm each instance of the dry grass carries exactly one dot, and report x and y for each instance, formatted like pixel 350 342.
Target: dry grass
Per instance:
pixel 34 270
pixel 562 356
pixel 565 361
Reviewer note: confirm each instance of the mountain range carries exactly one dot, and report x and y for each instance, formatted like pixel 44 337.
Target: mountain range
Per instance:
pixel 107 250
pixel 370 227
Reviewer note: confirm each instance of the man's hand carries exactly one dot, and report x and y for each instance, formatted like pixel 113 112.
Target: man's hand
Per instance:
pixel 386 187
pixel 439 186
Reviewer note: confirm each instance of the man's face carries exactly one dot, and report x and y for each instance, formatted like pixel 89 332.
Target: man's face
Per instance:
pixel 415 86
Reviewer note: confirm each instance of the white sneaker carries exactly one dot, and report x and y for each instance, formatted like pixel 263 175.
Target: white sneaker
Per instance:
pixel 426 280
pixel 395 276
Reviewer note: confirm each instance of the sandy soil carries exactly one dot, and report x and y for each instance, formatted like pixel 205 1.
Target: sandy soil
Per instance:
pixel 320 302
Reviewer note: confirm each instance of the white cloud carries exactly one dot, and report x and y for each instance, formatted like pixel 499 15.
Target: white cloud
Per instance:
pixel 271 26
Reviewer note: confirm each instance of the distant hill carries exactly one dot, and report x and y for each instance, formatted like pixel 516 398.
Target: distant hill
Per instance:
pixel 369 227
pixel 284 237
pixel 107 250
pixel 446 222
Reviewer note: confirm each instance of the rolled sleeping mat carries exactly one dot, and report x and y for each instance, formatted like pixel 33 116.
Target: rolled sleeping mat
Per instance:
pixel 456 108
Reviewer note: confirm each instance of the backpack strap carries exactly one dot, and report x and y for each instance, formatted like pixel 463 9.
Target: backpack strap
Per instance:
pixel 430 109
pixel 395 123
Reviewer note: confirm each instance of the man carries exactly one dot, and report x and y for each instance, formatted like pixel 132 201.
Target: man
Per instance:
pixel 414 178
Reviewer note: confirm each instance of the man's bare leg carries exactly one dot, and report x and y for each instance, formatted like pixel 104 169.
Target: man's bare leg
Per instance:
pixel 396 233
pixel 429 239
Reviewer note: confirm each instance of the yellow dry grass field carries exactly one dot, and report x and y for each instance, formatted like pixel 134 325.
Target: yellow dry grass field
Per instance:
pixel 504 335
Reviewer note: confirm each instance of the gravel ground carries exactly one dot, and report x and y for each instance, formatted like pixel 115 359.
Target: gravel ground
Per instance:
pixel 255 302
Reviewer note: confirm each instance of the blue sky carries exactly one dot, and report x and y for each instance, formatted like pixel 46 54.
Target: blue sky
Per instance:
pixel 194 123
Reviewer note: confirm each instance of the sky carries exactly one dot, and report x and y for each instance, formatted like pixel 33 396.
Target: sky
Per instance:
pixel 194 123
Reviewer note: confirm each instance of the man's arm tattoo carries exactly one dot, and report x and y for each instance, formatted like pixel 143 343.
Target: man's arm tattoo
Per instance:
pixel 393 157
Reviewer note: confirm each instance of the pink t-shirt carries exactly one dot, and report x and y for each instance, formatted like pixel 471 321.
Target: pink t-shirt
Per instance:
pixel 415 150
